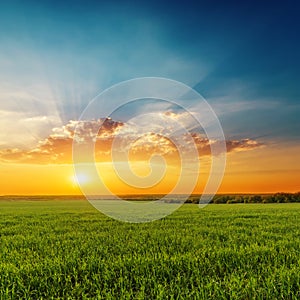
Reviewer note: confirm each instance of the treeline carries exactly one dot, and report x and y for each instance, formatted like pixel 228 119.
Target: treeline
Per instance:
pixel 266 198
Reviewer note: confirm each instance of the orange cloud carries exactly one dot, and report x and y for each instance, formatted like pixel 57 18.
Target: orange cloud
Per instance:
pixel 242 145
pixel 57 148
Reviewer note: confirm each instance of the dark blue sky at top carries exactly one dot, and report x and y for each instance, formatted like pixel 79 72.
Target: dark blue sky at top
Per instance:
pixel 242 56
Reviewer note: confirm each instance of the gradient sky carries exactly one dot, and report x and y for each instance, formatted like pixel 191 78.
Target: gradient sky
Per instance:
pixel 242 57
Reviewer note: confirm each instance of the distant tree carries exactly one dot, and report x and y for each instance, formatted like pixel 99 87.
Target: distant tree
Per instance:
pixel 239 199
pixel 221 199
pixel 255 199
pixel 246 199
pixel 269 199
pixel 279 198
pixel 297 197
pixel 275 198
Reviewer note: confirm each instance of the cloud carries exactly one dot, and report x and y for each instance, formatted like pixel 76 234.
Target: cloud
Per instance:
pixel 57 147
pixel 23 130
pixel 27 114
pixel 242 145
pixel 227 106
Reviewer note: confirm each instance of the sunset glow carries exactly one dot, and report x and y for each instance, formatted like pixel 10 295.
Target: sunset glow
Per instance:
pixel 54 63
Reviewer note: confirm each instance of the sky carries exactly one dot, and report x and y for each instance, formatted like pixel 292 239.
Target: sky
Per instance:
pixel 243 57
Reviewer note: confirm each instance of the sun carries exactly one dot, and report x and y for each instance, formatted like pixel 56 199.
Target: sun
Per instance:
pixel 80 178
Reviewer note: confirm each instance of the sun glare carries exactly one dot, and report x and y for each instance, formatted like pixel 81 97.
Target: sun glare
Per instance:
pixel 80 179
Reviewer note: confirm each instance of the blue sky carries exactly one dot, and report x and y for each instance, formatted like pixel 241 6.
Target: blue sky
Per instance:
pixel 244 58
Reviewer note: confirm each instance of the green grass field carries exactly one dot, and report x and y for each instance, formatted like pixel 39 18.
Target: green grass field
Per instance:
pixel 68 250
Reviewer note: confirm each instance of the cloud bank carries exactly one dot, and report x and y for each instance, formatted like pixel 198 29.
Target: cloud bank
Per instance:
pixel 57 147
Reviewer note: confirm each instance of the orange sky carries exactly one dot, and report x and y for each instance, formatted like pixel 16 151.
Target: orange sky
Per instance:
pixel 48 169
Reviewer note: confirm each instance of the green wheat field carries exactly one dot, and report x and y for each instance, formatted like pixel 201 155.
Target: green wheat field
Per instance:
pixel 69 250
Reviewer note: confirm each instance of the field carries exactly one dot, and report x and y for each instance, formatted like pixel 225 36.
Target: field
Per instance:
pixel 68 250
